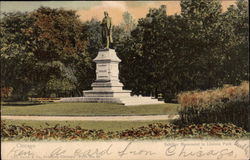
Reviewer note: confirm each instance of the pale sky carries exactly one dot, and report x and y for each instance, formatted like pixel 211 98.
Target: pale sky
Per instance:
pixel 94 9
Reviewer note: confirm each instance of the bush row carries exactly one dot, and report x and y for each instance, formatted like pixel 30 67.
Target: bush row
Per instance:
pixel 225 105
pixel 217 96
pixel 152 131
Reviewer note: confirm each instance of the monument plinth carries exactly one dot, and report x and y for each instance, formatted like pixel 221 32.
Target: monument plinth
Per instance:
pixel 107 87
pixel 107 82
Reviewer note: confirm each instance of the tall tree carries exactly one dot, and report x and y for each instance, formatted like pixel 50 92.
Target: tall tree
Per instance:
pixel 128 23
pixel 144 52
pixel 61 42
pixel 235 43
pixel 202 25
pixel 199 49
pixel 48 44
pixel 17 60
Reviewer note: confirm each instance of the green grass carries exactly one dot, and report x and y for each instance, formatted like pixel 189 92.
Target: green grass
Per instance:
pixel 88 109
pixel 105 125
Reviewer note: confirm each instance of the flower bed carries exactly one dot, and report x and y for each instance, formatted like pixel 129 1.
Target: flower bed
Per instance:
pixel 152 131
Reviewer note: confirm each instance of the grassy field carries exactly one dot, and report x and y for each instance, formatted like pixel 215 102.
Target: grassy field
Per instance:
pixel 88 109
pixel 105 125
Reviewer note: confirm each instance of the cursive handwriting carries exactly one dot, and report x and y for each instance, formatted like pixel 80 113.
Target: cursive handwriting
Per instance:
pixel 96 153
pixel 19 152
pixel 174 150
pixel 57 153
pixel 185 152
pixel 128 151
pixel 79 153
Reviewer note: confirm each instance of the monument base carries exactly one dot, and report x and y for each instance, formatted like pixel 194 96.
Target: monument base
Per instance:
pixel 127 101
pixel 107 88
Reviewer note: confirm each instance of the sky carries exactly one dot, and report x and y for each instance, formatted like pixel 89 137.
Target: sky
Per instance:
pixel 94 9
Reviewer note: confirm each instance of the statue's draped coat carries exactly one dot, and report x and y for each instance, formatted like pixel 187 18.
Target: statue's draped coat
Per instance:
pixel 107 30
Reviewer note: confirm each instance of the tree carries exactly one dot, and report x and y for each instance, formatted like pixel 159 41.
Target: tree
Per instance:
pixel 61 41
pixel 235 43
pixel 94 37
pixel 201 48
pixel 219 53
pixel 62 46
pixel 50 49
pixel 203 20
pixel 144 53
pixel 48 44
pixel 128 23
pixel 16 58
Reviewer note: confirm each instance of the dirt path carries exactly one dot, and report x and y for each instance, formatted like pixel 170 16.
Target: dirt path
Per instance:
pixel 92 118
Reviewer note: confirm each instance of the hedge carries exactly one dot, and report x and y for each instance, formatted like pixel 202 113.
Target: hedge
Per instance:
pixel 229 104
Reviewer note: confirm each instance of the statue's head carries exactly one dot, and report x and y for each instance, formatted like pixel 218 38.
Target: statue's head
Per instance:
pixel 106 13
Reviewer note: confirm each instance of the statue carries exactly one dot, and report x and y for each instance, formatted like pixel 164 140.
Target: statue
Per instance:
pixel 107 31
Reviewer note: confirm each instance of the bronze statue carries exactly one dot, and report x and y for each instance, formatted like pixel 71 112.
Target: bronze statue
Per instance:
pixel 107 31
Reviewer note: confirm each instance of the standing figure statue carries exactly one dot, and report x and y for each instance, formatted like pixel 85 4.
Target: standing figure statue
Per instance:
pixel 107 31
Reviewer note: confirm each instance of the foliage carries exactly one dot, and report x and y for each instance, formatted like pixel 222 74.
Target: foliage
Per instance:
pixel 16 58
pixel 217 96
pixel 202 21
pixel 201 48
pixel 235 47
pixel 42 45
pixel 230 112
pixel 5 92
pixel 211 48
pixel 226 105
pixel 152 131
pixel 94 37
pixel 128 24
pixel 143 52
pixel 62 41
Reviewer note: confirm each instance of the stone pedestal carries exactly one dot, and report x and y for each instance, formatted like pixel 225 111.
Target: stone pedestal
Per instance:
pixel 107 88
pixel 107 82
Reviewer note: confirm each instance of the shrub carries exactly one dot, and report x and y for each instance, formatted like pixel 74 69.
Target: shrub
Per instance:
pixel 152 131
pixel 224 105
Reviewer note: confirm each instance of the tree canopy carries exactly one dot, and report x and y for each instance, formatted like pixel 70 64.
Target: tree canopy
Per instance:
pixel 43 45
pixel 49 51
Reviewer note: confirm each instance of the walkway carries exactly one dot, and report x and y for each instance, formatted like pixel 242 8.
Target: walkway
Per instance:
pixel 92 118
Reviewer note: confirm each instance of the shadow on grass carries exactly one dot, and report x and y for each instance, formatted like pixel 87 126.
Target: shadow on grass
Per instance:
pixel 22 104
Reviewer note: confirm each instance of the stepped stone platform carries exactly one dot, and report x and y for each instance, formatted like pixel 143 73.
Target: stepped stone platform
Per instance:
pixel 127 101
pixel 107 88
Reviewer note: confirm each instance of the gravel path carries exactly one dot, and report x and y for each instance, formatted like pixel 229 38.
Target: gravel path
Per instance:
pixel 92 118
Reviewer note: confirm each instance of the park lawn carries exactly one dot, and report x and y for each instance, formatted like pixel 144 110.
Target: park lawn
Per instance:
pixel 88 109
pixel 104 125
